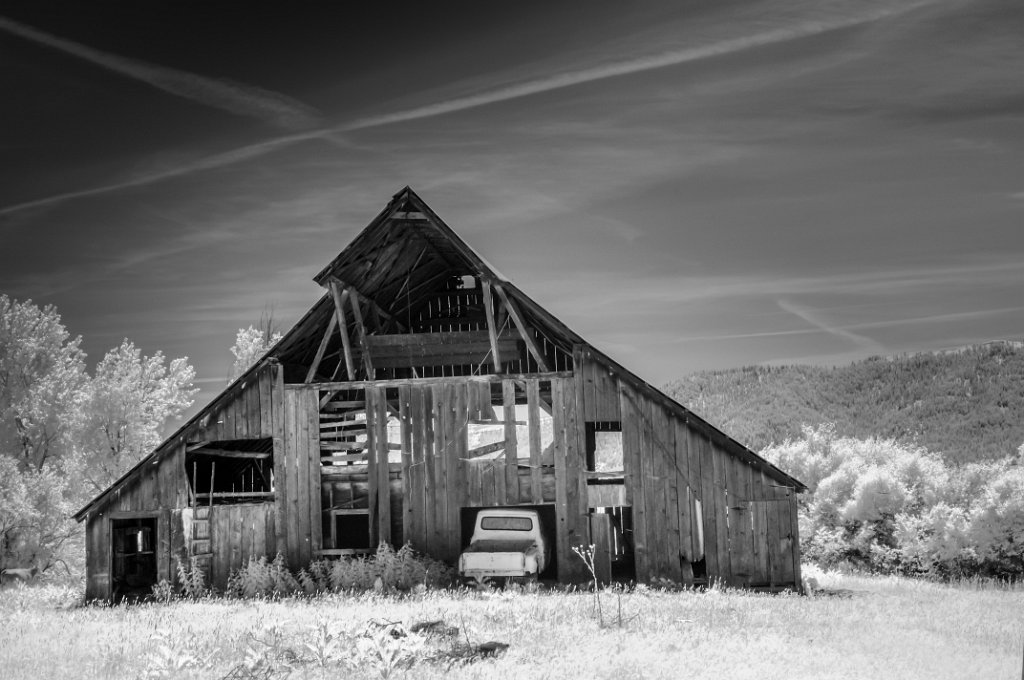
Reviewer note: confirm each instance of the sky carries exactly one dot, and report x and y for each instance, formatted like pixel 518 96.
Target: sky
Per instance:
pixel 688 185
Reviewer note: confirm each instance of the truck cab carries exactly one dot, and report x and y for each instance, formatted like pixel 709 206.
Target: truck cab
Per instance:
pixel 507 544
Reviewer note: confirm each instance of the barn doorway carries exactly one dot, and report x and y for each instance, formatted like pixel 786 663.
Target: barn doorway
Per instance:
pixel 133 562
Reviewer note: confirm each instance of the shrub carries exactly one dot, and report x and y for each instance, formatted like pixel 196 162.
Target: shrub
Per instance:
pixel 387 569
pixel 890 507
pixel 997 524
pixel 260 578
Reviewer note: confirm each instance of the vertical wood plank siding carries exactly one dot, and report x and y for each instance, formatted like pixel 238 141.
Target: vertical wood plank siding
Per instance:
pixel 241 534
pixel 747 519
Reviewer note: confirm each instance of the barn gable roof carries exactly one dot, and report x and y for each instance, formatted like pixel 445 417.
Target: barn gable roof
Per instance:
pixel 394 267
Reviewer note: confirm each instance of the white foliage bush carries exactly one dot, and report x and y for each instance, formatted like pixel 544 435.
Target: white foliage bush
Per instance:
pixel 888 506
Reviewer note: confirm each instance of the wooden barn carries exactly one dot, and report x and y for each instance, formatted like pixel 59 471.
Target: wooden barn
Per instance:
pixel 420 387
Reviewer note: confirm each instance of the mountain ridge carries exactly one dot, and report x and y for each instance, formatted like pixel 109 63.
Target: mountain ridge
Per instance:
pixel 965 404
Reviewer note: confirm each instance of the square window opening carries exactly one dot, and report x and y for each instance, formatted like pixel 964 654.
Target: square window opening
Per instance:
pixel 604 446
pixel 350 530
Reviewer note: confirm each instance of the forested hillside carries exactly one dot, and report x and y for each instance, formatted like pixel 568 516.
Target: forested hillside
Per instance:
pixel 966 405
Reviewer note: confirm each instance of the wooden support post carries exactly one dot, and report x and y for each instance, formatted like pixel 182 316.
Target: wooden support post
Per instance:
pixel 521 327
pixel 361 334
pixel 339 310
pixel 508 401
pixel 533 417
pixel 492 330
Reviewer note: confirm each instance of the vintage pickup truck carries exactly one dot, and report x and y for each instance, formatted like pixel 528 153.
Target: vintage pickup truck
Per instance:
pixel 507 544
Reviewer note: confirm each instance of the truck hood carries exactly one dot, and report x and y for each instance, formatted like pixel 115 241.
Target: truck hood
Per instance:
pixel 521 546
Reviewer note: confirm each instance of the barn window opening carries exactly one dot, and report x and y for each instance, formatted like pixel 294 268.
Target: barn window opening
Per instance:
pixel 133 562
pixel 230 471
pixel 486 441
pixel 604 446
pixel 350 531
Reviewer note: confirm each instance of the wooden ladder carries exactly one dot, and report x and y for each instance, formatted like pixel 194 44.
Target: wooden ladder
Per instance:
pixel 200 542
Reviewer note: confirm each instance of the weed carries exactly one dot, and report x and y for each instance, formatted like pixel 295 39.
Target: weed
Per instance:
pixel 163 591
pixel 389 648
pixel 192 579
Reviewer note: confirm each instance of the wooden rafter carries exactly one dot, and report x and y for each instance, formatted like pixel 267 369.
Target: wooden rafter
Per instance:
pixel 492 331
pixel 339 310
pixel 406 278
pixel 521 327
pixel 429 281
pixel 313 367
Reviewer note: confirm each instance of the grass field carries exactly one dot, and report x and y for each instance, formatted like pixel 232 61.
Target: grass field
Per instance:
pixel 879 628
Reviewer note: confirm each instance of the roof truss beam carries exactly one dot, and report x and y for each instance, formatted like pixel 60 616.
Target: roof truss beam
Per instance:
pixel 517 319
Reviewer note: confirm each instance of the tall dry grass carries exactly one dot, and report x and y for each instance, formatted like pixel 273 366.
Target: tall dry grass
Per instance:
pixel 877 628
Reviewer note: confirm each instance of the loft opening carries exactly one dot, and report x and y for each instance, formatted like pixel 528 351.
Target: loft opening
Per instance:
pixel 231 471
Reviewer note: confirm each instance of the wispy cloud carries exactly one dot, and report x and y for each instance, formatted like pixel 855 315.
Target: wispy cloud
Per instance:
pixel 245 100
pixel 680 289
pixel 851 328
pixel 220 91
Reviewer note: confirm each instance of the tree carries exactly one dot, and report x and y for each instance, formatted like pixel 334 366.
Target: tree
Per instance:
pixel 43 386
pixel 36 528
pixel 42 381
pixel 131 398
pixel 251 344
pixel 60 428
pixel 997 523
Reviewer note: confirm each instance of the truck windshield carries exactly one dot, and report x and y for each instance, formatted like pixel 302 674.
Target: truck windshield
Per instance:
pixel 507 523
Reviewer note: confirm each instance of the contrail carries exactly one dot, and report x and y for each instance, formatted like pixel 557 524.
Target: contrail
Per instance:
pixel 810 317
pixel 628 67
pixel 210 162
pixel 245 100
pixel 525 89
